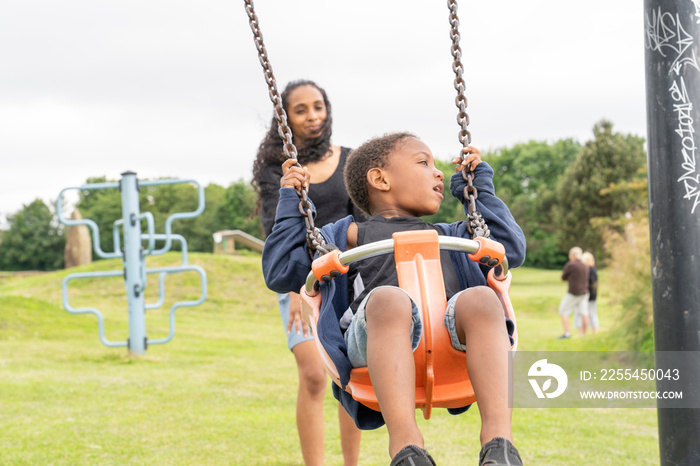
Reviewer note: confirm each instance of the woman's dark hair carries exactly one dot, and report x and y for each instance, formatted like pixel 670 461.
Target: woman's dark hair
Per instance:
pixel 270 151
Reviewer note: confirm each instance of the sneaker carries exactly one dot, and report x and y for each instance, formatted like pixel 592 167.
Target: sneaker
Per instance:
pixel 412 455
pixel 499 452
pixel 565 336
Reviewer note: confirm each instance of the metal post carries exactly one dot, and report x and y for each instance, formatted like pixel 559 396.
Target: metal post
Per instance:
pixel 672 37
pixel 133 263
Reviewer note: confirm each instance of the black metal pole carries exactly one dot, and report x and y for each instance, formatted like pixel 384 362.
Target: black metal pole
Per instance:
pixel 672 42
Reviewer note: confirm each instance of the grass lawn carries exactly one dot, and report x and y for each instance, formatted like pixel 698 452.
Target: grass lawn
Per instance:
pixel 223 391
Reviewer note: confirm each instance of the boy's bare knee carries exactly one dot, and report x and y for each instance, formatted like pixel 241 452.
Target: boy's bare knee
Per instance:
pixel 388 303
pixel 478 302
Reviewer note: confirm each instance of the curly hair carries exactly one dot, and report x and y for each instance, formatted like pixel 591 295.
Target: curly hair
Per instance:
pixel 371 154
pixel 270 151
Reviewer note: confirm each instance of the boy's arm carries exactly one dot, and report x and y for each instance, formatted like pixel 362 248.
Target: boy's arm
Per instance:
pixel 285 259
pixel 498 218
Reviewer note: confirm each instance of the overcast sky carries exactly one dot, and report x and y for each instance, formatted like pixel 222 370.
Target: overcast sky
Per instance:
pixel 173 88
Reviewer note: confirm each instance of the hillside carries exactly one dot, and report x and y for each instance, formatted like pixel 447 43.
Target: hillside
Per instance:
pixel 224 390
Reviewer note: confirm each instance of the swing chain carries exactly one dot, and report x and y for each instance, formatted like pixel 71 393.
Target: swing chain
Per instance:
pixel 476 225
pixel 314 239
pixel 461 101
pixel 475 222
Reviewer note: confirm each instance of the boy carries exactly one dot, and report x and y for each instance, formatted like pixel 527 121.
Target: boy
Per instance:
pixel 394 179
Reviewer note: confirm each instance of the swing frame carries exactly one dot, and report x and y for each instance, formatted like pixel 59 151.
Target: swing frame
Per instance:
pixel 441 374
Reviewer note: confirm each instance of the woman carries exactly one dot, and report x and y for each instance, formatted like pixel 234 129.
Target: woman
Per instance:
pixel 588 259
pixel 309 117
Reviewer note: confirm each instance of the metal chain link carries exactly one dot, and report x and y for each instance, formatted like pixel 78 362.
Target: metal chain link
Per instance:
pixel 314 239
pixel 475 222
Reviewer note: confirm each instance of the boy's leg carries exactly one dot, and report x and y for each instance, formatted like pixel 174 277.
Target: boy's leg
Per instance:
pixel 480 326
pixel 391 364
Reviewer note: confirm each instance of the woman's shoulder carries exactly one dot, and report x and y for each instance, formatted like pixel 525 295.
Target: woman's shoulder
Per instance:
pixel 344 152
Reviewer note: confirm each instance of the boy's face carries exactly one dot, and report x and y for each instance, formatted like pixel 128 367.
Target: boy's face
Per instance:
pixel 416 185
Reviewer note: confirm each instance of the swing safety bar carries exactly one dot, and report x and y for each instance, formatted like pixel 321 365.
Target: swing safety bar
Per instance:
pixel 377 248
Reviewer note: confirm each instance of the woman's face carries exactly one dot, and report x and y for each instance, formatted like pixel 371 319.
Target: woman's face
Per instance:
pixel 306 112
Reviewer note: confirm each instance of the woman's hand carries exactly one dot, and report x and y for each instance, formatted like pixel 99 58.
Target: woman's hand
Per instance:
pixel 295 320
pixel 294 176
pixel 472 156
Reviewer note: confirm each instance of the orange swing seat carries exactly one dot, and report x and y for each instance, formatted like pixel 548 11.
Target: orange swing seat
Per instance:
pixel 441 374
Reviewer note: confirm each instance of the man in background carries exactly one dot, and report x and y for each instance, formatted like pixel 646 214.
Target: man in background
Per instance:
pixel 575 300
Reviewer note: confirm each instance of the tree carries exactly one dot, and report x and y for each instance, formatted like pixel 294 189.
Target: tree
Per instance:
pixel 525 169
pixel 104 207
pixel 225 209
pixel 238 211
pixel 34 241
pixel 525 178
pixel 232 208
pixel 585 191
pixel 166 200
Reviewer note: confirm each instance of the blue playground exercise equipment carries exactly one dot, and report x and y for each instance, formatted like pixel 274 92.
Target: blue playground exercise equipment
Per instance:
pixel 134 255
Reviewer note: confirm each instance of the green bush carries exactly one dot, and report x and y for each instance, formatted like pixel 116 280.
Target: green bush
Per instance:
pixel 629 273
pixel 34 240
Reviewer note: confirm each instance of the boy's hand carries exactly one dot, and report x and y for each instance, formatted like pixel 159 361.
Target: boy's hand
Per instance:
pixel 294 176
pixel 471 155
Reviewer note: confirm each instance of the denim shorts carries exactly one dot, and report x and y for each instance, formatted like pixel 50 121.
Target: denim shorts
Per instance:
pixel 451 325
pixel 356 334
pixel 293 338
